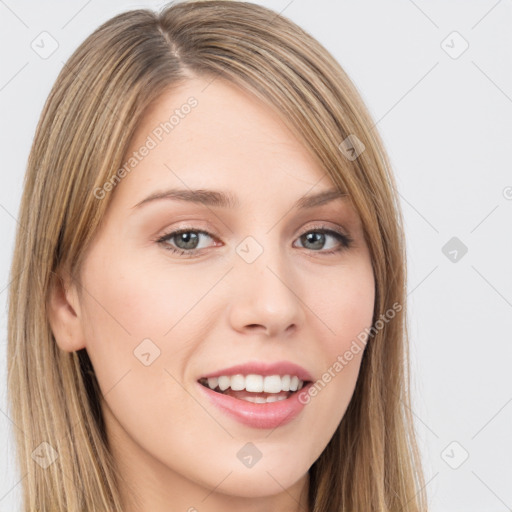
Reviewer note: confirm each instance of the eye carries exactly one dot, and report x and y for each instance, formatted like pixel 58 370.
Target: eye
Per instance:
pixel 186 241
pixel 315 239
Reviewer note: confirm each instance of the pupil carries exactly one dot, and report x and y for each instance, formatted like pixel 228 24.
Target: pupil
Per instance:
pixel 190 240
pixel 316 238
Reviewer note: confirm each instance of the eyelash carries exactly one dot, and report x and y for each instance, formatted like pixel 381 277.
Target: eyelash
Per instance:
pixel 345 240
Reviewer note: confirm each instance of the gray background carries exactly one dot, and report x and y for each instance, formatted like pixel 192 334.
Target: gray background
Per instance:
pixel 446 122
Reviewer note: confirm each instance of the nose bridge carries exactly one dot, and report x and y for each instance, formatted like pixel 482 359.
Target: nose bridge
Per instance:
pixel 257 257
pixel 264 292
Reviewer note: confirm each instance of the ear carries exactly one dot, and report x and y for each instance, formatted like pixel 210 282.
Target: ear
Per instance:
pixel 64 312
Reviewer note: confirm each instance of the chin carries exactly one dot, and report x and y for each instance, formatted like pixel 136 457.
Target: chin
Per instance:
pixel 259 483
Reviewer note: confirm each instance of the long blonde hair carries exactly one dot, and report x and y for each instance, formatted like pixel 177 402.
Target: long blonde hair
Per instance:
pixel 372 461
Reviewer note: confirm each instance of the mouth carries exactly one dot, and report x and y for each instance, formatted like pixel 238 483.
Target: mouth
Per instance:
pixel 255 388
pixel 259 395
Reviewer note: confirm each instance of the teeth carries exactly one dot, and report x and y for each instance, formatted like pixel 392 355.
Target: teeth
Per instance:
pixel 272 384
pixel 285 383
pixel 237 382
pixel 224 382
pixel 256 383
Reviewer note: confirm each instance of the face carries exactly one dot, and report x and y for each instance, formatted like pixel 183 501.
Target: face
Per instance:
pixel 179 287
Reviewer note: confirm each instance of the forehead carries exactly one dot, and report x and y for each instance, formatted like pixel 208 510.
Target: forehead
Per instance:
pixel 225 125
pixel 215 136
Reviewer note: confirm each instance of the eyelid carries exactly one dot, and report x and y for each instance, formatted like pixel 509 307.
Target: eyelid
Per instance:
pixel 325 226
pixel 208 230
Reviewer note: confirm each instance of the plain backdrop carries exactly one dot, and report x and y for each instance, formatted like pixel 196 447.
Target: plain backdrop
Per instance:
pixel 437 79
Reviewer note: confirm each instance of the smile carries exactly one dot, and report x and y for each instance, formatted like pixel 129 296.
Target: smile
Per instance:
pixel 257 401
pixel 255 388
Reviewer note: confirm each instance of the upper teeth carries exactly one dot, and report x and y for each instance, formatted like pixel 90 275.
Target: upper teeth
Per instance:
pixel 256 383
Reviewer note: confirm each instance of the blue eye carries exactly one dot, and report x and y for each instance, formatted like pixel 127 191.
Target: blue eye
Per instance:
pixel 317 237
pixel 186 241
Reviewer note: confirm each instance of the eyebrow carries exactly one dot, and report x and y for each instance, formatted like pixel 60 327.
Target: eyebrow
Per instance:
pixel 217 198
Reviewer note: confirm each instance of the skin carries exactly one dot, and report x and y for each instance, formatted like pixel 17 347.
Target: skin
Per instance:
pixel 174 448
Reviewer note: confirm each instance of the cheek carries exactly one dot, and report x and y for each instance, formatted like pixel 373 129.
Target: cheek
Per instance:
pixel 138 312
pixel 355 308
pixel 133 297
pixel 347 309
pixel 346 306
pixel 128 308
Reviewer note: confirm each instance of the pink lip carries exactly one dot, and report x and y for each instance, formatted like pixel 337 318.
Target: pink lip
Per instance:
pixel 265 369
pixel 265 416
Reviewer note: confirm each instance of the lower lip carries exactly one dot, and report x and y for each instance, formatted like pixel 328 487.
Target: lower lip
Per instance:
pixel 267 415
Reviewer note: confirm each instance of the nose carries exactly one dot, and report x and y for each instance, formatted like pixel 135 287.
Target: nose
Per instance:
pixel 265 297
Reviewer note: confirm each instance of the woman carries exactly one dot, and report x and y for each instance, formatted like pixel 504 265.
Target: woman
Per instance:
pixel 208 300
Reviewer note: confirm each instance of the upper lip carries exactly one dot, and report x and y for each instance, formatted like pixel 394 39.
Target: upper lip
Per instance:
pixel 264 369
